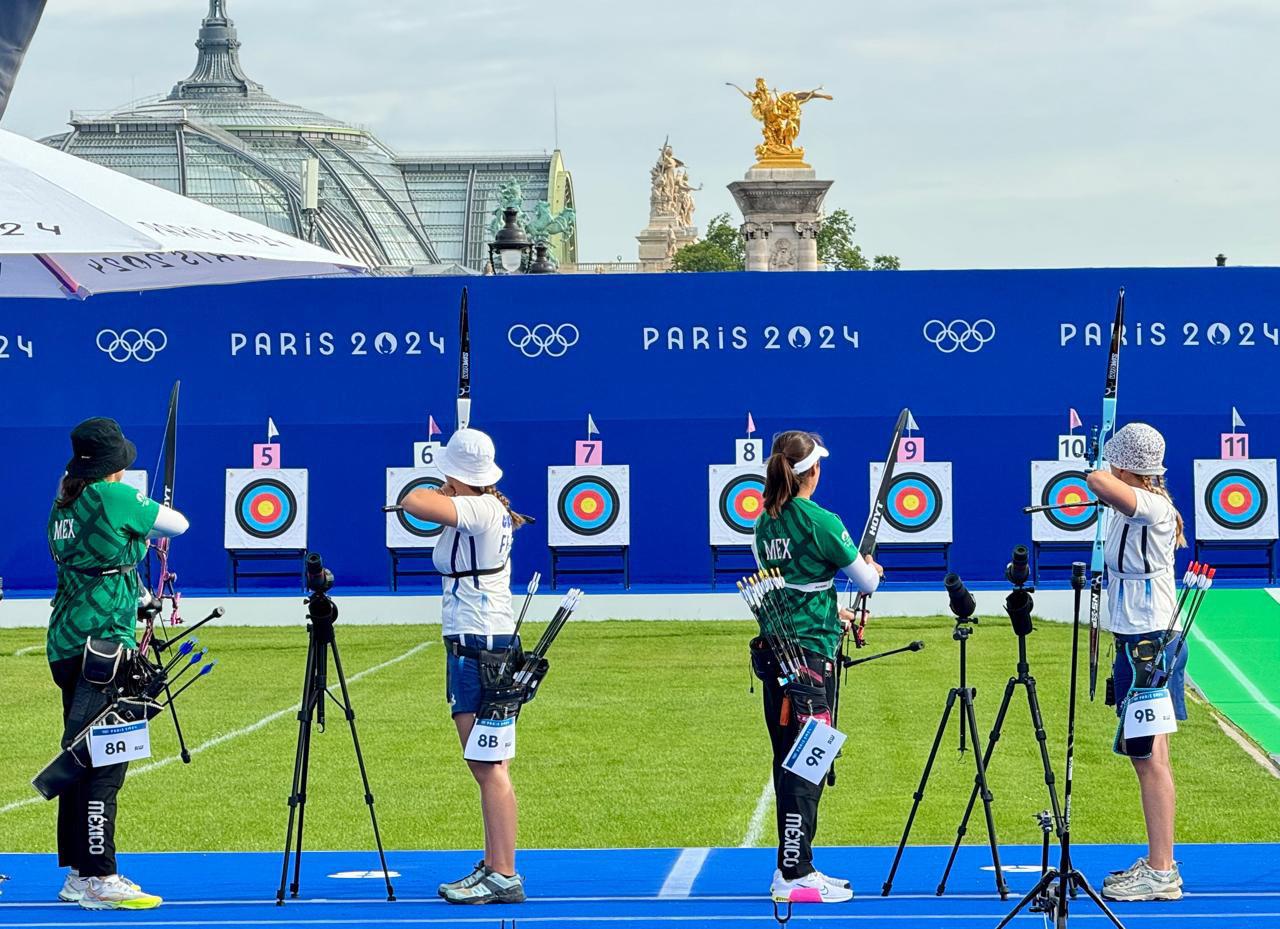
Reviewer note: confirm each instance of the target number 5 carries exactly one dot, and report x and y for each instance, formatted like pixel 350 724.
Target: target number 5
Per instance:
pixel 1235 445
pixel 588 453
pixel 266 456
pixel 749 452
pixel 911 449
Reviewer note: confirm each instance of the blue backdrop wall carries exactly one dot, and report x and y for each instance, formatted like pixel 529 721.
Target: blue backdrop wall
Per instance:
pixel 667 364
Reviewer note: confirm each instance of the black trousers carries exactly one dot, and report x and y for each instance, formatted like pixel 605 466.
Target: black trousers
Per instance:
pixel 795 799
pixel 86 810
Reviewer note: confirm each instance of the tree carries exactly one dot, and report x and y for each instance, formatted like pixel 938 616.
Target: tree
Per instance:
pixel 838 251
pixel 720 250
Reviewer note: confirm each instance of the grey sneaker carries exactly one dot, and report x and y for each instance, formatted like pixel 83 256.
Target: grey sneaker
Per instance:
pixel 1128 872
pixel 73 887
pixel 477 874
pixel 491 888
pixel 1144 883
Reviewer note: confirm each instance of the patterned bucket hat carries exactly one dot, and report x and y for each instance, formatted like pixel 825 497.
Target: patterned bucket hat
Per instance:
pixel 1138 448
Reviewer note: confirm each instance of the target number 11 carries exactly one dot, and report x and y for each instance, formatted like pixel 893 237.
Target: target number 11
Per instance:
pixel 1235 445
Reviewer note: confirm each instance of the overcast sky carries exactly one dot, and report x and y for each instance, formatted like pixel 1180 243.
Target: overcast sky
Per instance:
pixel 995 133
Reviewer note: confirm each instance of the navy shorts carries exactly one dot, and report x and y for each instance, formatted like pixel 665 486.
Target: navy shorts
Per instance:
pixel 462 675
pixel 1122 671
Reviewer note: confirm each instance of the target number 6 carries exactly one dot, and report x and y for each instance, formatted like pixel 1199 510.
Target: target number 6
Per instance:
pixel 911 449
pixel 266 456
pixel 424 454
pixel 588 453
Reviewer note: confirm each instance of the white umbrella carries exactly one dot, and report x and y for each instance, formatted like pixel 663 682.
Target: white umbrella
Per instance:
pixel 69 227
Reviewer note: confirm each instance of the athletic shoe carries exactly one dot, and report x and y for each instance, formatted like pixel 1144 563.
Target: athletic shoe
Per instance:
pixel 491 888
pixel 74 886
pixel 1115 876
pixel 476 875
pixel 115 893
pixel 777 876
pixel 814 887
pixel 1146 884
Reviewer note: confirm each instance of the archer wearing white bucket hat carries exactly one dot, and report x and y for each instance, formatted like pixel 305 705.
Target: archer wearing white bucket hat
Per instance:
pixel 1142 533
pixel 473 555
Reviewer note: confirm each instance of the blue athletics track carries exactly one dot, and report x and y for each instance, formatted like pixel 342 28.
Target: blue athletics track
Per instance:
pixel 1227 886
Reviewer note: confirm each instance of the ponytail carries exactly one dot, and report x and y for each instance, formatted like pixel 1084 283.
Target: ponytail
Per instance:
pixel 69 490
pixel 517 519
pixel 1156 484
pixel 781 483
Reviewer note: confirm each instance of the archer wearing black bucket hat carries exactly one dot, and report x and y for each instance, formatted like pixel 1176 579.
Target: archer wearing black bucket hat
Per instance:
pixel 97 533
pixel 99 448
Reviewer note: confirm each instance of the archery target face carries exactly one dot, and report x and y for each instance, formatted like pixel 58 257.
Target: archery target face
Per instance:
pixel 137 480
pixel 1059 483
pixel 735 497
pixel 1235 499
pixel 266 508
pixel 404 530
pixel 589 505
pixel 918 506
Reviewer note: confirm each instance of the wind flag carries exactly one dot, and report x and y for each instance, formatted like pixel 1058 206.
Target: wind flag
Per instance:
pixel 1236 421
pixel 751 425
pixel 1074 421
pixel 272 431
pixel 591 427
pixel 432 428
pixel 912 425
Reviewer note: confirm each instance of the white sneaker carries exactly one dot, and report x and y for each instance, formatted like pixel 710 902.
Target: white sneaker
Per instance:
pixel 116 893
pixel 73 887
pixel 814 887
pixel 1146 884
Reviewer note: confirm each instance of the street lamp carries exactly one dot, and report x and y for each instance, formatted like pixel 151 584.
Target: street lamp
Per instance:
pixel 510 245
pixel 541 264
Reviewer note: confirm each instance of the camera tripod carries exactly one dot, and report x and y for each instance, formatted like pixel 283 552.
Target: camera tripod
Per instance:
pixel 1022 679
pixel 322 612
pixel 1057 885
pixel 963 606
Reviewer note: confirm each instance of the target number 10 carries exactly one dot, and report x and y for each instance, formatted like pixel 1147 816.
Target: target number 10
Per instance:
pixel 1071 448
pixel 1235 445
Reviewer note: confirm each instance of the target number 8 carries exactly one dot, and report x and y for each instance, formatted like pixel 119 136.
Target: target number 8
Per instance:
pixel 748 451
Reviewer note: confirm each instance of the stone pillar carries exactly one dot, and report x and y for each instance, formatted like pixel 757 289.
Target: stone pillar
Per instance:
pixel 780 209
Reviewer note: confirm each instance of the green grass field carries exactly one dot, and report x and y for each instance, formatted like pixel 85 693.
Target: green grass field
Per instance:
pixel 645 735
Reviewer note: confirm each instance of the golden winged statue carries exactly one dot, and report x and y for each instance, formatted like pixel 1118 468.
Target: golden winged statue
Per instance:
pixel 779 115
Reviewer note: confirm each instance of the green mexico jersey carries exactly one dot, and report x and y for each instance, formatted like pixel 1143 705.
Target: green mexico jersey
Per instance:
pixel 809 545
pixel 105 527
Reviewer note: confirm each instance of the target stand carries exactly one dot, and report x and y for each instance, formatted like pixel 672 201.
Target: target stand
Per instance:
pixel 1235 501
pixel 589 521
pixel 1062 536
pixel 735 498
pixel 916 531
pixel 265 527
pixel 411 541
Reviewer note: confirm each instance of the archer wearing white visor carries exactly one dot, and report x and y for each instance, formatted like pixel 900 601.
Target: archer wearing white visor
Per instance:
pixel 473 556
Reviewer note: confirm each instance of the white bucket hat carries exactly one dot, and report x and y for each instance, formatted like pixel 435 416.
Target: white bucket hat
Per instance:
pixel 469 458
pixel 1138 448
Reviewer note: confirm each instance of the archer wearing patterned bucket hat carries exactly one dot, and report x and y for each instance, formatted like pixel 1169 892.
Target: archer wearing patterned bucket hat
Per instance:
pixel 1142 534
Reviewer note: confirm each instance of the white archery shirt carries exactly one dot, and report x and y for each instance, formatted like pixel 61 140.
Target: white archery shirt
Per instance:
pixel 1139 556
pixel 482 539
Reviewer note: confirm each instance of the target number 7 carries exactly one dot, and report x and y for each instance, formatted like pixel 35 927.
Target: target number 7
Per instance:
pixel 266 456
pixel 911 449
pixel 1235 445
pixel 588 453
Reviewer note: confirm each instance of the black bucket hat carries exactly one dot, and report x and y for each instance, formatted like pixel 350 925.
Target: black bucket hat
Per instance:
pixel 99 448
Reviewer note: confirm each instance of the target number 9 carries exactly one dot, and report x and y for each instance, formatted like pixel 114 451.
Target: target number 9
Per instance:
pixel 266 456
pixel 748 451
pixel 911 449
pixel 424 454
pixel 1071 448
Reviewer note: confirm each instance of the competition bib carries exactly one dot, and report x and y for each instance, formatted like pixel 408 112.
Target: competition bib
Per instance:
pixel 491 740
pixel 110 745
pixel 1148 712
pixel 814 750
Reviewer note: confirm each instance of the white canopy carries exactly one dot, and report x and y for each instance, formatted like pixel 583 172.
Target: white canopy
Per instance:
pixel 69 227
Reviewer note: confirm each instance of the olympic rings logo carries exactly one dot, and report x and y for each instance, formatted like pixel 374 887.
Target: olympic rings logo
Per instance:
pixel 947 337
pixel 132 344
pixel 543 339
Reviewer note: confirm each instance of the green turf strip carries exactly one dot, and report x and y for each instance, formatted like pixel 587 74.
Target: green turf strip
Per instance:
pixel 644 735
pixel 1235 660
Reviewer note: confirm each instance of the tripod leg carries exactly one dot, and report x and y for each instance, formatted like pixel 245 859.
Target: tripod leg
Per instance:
pixel 919 794
pixel 304 736
pixel 1076 879
pixel 317 699
pixel 970 716
pixel 1048 878
pixel 364 775
pixel 1033 704
pixel 973 794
